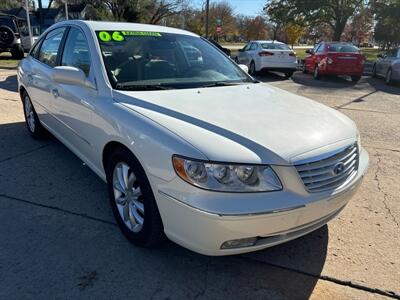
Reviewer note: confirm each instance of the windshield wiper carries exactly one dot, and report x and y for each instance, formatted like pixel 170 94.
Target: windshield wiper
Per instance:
pixel 142 87
pixel 224 83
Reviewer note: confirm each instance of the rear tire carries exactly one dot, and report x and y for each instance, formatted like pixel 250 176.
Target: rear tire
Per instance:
pixel 304 69
pixel 132 200
pixel 252 69
pixel 316 74
pixel 374 75
pixel 288 74
pixel 32 122
pixel 355 79
pixel 17 52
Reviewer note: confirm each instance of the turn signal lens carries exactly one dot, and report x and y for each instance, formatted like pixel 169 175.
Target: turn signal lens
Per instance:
pixel 227 177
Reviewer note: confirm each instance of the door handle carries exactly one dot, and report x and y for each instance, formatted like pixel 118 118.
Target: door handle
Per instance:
pixel 55 93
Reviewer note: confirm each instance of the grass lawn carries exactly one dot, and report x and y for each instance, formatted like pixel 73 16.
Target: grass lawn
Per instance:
pixel 7 62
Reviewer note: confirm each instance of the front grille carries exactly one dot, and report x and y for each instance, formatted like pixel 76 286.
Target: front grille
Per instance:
pixel 331 172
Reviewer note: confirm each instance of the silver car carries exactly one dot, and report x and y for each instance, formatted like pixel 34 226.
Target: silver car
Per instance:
pixel 388 66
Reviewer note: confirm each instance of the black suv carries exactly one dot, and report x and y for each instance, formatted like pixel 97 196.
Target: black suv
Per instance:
pixel 10 36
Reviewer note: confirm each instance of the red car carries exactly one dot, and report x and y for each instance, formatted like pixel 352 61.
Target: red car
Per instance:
pixel 334 58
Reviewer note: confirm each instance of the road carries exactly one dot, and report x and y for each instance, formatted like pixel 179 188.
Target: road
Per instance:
pixel 59 238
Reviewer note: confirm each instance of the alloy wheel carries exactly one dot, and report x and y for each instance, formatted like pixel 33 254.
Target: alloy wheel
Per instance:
pixel 29 114
pixel 128 197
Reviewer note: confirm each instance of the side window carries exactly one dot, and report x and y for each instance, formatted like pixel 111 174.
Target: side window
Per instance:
pixel 316 48
pixel 253 46
pixel 76 51
pixel 247 47
pixel 320 48
pixel 49 49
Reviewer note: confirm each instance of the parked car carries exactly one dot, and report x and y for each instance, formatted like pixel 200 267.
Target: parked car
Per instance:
pixel 268 56
pixel 10 40
pixel 199 152
pixel 388 66
pixel 334 58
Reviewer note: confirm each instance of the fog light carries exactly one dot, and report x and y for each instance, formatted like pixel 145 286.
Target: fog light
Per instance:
pixel 240 243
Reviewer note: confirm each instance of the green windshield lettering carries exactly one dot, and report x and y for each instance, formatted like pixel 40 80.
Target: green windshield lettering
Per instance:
pixel 141 33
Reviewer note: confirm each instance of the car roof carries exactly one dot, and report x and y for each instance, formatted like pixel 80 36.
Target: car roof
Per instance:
pixel 267 41
pixel 111 26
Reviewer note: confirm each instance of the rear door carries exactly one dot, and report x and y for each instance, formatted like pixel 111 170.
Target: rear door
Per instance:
pixel 43 59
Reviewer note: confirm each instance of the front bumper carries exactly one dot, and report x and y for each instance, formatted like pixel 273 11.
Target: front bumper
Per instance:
pixel 295 214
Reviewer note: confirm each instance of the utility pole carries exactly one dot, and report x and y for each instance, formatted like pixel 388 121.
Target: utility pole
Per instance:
pixel 66 9
pixel 207 10
pixel 28 20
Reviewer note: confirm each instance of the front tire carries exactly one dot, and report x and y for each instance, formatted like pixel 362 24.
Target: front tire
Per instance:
pixel 17 52
pixel 288 74
pixel 389 78
pixel 32 122
pixel 252 69
pixel 374 75
pixel 355 79
pixel 316 74
pixel 132 200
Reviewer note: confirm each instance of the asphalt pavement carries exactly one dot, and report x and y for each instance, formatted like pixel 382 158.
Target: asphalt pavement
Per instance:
pixel 58 238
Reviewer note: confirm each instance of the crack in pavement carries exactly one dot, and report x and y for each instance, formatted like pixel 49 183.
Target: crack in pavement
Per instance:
pixel 356 100
pixel 58 209
pixel 381 148
pixel 350 284
pixel 368 110
pixel 26 152
pixel 380 189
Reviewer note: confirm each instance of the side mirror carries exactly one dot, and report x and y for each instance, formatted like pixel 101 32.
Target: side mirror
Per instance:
pixel 244 68
pixel 380 55
pixel 71 75
pixel 309 51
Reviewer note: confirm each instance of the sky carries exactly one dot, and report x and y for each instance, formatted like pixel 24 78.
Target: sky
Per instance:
pixel 244 7
pixel 247 7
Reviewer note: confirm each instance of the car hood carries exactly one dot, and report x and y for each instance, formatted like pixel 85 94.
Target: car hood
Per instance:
pixel 254 123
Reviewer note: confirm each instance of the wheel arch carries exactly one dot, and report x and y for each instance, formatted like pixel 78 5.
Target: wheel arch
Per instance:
pixel 22 90
pixel 109 148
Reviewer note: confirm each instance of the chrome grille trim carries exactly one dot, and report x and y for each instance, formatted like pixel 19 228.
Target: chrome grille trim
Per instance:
pixel 319 175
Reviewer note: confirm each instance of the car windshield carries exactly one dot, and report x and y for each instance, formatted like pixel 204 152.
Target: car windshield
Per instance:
pixel 342 48
pixel 138 60
pixel 274 46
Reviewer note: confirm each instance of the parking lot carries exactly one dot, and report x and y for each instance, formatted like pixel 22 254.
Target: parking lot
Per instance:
pixel 59 238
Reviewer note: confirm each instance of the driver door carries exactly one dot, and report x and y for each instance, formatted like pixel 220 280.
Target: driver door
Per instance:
pixel 73 105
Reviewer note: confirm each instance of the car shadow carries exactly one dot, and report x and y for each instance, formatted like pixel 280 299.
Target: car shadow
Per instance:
pixel 287 271
pixel 325 82
pixel 9 84
pixel 265 76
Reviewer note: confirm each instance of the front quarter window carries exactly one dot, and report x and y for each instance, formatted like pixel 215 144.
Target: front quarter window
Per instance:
pixel 148 60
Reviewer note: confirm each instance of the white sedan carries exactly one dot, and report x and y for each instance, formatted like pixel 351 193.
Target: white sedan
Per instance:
pixel 191 147
pixel 268 56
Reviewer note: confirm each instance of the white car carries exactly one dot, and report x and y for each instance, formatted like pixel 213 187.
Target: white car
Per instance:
pixel 268 56
pixel 190 146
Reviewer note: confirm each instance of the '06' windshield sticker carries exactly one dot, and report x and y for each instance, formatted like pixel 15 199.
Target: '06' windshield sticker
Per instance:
pixel 119 36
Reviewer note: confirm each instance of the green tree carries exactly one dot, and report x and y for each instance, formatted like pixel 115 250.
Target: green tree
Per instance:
pixel 387 15
pixel 334 13
pixel 293 33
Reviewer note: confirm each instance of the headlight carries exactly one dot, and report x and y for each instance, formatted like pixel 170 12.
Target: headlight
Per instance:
pixel 225 177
